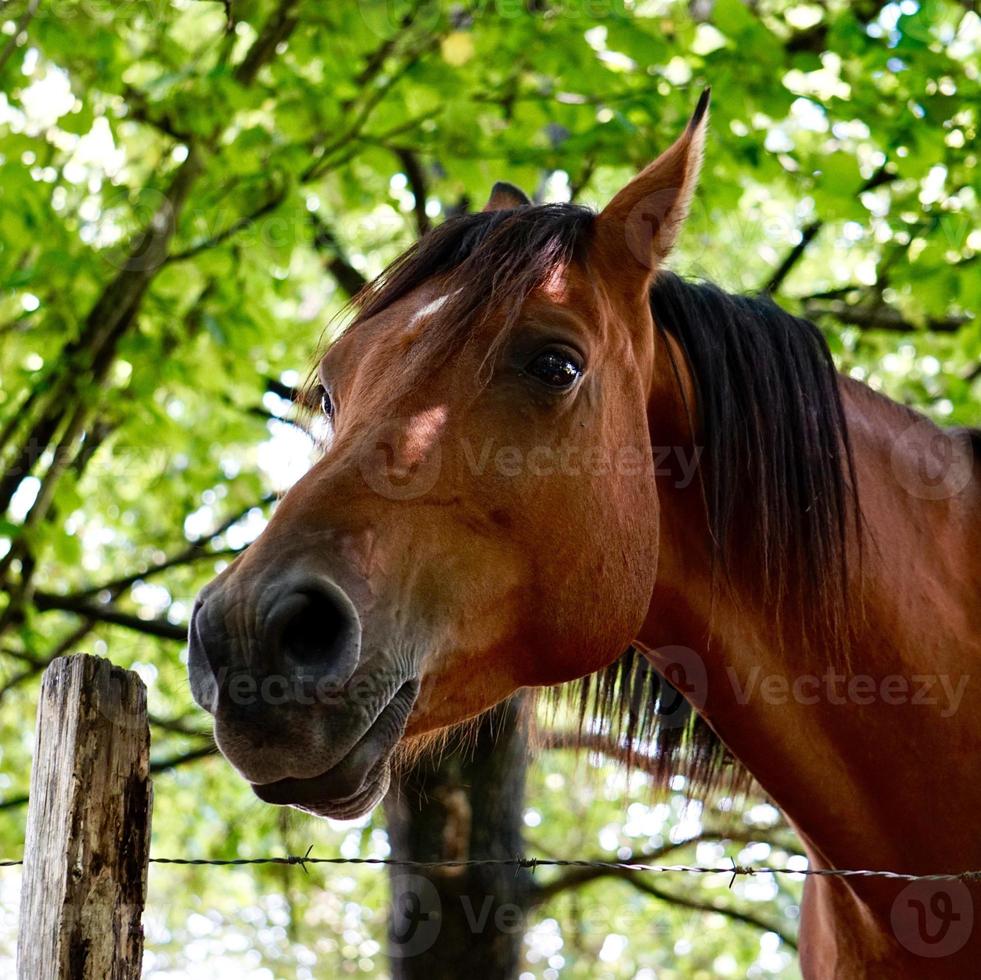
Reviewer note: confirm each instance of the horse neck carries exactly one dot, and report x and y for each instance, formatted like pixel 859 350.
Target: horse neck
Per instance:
pixel 839 741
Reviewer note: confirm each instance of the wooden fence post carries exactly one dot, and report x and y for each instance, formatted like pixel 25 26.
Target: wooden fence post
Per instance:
pixel 88 826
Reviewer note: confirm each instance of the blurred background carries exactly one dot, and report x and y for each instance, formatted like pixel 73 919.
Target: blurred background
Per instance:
pixel 190 193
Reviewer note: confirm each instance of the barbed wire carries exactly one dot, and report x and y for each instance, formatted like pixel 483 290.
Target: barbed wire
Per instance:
pixel 532 864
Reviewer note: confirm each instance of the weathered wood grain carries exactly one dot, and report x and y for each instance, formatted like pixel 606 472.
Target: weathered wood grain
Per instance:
pixel 88 826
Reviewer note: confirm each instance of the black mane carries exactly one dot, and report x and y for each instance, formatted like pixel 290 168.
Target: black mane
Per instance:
pixel 772 427
pixel 769 417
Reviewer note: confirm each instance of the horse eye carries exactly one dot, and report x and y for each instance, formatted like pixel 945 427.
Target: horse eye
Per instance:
pixel 556 368
pixel 326 404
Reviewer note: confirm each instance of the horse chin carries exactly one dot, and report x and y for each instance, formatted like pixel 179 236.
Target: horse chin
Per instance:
pixel 359 803
pixel 353 786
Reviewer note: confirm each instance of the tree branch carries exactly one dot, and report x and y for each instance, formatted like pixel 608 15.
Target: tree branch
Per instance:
pixel 376 60
pixel 275 31
pixel 335 261
pixel 577 877
pixel 810 232
pixel 36 666
pixel 195 551
pixel 418 184
pixel 807 235
pixel 177 726
pixel 240 224
pixel 161 628
pixel 286 392
pixel 601 744
pixel 87 359
pixel 176 761
pixel 140 110
pixel 321 151
pixel 91 355
pixel 582 179
pixel 11 46
pixel 705 905
pixel 161 765
pixel 884 318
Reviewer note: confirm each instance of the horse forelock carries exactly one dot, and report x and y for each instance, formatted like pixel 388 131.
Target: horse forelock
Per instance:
pixel 487 264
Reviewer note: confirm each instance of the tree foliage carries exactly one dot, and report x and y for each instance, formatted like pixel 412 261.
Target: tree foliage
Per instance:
pixel 189 194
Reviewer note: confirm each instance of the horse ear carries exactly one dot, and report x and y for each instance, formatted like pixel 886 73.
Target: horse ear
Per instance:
pixel 505 197
pixel 641 223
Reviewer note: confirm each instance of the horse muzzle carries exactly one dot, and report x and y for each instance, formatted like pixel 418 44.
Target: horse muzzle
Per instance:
pixel 301 710
pixel 354 785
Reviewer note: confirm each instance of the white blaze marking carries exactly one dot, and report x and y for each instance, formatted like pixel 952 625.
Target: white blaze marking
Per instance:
pixel 429 309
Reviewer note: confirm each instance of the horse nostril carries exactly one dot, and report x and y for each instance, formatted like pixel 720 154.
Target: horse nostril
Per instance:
pixel 317 628
pixel 203 661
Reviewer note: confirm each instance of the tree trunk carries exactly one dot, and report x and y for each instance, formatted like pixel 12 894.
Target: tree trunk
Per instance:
pixel 466 805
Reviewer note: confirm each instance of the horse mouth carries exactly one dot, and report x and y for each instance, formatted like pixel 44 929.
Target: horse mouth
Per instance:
pixel 351 787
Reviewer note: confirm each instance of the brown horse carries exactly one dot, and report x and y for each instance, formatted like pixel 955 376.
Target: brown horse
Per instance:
pixel 544 450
